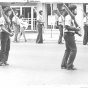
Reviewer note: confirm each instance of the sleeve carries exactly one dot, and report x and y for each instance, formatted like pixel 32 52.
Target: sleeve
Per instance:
pixel 13 19
pixel 2 20
pixel 60 20
pixel 68 20
pixel 84 20
pixel 38 17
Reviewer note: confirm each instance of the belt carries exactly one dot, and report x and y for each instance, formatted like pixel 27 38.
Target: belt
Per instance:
pixel 69 33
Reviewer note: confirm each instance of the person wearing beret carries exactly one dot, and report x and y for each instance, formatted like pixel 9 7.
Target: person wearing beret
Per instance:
pixel 85 38
pixel 40 24
pixel 15 22
pixel 70 44
pixel 5 36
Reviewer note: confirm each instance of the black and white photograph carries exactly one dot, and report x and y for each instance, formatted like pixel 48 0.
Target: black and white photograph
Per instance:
pixel 43 44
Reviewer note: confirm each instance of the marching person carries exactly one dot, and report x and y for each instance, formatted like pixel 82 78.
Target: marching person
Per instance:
pixel 5 36
pixel 40 24
pixel 60 26
pixel 22 28
pixel 15 22
pixel 85 39
pixel 71 48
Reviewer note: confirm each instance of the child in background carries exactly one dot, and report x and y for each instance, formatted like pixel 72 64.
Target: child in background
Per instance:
pixel 22 28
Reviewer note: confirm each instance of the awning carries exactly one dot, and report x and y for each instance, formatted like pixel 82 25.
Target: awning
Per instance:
pixel 48 1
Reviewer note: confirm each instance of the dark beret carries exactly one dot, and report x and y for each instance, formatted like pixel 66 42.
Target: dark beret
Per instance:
pixel 7 9
pixel 40 11
pixel 72 7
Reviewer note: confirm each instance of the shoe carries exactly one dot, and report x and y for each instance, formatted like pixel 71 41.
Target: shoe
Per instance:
pixel 1 63
pixel 5 63
pixel 25 40
pixel 63 67
pixel 60 43
pixel 71 68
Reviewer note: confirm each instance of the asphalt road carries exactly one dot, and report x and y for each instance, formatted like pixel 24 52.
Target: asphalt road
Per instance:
pixel 38 66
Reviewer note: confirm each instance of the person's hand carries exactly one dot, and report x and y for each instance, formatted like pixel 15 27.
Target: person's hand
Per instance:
pixel 78 29
pixel 11 34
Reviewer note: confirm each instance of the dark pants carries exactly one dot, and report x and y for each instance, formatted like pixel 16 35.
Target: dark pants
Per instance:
pixel 5 47
pixel 70 52
pixel 39 37
pixel 85 39
pixel 61 34
pixel 16 31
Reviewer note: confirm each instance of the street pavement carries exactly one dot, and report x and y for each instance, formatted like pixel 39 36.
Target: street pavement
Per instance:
pixel 34 65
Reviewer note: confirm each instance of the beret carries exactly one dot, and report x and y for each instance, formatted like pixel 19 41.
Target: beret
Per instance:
pixel 72 7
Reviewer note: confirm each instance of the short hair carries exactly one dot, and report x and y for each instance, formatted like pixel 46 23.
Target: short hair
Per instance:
pixel 7 9
pixel 21 16
pixel 40 11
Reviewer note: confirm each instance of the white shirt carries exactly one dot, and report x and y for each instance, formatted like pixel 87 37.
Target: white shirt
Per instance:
pixel 15 19
pixel 40 18
pixel 69 22
pixel 85 20
pixel 61 20
pixel 23 23
pixel 2 22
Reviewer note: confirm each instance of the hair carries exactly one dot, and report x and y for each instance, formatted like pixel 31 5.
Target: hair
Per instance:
pixel 7 9
pixel 40 11
pixel 21 16
pixel 65 13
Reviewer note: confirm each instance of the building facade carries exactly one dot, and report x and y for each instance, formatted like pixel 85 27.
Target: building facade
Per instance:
pixel 31 9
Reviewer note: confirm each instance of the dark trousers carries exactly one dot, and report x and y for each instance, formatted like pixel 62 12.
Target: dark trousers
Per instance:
pixel 5 47
pixel 61 33
pixel 70 52
pixel 16 31
pixel 39 36
pixel 85 39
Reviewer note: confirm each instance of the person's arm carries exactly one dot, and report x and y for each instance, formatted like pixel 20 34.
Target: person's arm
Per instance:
pixel 4 29
pixel 71 28
pixel 68 25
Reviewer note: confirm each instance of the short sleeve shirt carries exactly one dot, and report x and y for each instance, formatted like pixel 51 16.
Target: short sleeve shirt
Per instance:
pixel 69 22
pixel 85 20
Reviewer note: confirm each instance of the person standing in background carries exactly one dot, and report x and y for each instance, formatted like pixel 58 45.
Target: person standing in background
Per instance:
pixel 40 24
pixel 15 22
pixel 60 26
pixel 85 38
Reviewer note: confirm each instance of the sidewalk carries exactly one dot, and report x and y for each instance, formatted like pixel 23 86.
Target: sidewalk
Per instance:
pixel 47 36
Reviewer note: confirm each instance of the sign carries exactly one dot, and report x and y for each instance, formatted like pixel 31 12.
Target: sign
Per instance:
pixel 51 20
pixel 86 8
